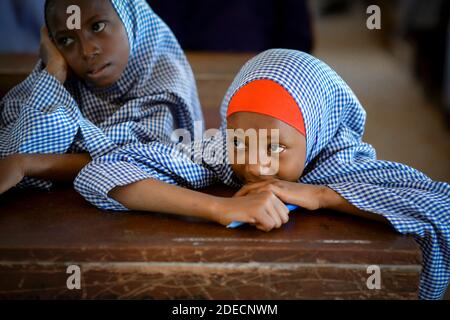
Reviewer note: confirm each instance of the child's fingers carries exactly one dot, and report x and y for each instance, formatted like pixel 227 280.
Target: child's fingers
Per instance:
pixel 45 45
pixel 265 221
pixel 251 187
pixel 275 215
pixel 263 187
pixel 44 35
pixel 282 210
pixel 274 212
pixel 47 42
pixel 243 191
pixel 263 228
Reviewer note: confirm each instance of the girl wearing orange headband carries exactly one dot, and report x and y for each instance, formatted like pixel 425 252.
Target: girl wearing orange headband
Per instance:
pixel 265 104
pixel 322 160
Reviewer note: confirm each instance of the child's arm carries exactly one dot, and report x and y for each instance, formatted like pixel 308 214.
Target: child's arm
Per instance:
pixel 52 58
pixel 333 200
pixel 54 167
pixel 263 210
pixel 39 116
pixel 310 197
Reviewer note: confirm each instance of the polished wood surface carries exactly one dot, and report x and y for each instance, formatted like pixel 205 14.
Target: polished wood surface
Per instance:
pixel 147 255
pixel 317 255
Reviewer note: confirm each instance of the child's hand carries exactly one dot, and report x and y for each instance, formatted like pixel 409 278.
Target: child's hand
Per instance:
pixel 11 172
pixel 263 210
pixel 55 63
pixel 303 195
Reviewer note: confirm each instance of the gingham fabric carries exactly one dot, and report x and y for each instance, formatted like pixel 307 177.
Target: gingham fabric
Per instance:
pixel 336 157
pixel 155 94
pixel 192 165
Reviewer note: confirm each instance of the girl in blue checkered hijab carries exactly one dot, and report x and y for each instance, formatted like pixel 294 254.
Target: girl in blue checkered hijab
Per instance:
pixel 118 78
pixel 321 160
pixel 321 124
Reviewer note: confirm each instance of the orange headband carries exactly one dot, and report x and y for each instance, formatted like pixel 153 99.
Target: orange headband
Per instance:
pixel 269 98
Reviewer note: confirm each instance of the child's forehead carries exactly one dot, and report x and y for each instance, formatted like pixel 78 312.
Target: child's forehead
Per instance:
pixel 57 10
pixel 251 120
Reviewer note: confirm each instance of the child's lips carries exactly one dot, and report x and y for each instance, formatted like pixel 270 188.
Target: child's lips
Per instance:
pixel 97 72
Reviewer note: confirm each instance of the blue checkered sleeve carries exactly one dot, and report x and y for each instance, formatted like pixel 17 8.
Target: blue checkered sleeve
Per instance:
pixel 427 222
pixel 167 162
pixel 38 116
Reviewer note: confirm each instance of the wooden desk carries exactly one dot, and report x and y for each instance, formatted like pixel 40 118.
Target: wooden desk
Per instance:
pixel 153 256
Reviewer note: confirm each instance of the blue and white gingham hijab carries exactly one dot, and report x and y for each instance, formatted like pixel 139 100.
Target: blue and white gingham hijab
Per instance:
pixel 337 157
pixel 155 95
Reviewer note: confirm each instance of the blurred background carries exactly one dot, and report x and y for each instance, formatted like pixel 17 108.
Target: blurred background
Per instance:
pixel 401 73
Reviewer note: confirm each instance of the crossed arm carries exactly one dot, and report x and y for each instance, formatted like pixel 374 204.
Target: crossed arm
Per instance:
pixel 260 204
pixel 54 167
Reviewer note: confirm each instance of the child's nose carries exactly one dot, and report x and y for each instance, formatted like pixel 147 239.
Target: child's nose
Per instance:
pixel 89 49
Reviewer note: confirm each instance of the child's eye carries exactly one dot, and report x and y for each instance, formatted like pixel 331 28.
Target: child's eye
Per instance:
pixel 276 148
pixel 238 144
pixel 98 27
pixel 65 41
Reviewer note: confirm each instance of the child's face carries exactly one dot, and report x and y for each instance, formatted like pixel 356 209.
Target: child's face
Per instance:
pixel 98 52
pixel 291 148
